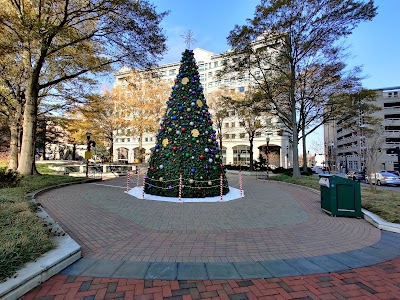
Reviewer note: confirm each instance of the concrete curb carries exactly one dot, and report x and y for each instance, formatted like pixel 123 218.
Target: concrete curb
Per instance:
pixel 380 223
pixel 370 217
pixel 67 251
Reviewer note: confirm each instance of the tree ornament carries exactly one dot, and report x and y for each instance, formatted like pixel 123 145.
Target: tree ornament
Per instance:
pixel 206 150
pixel 191 181
pixel 174 148
pixel 195 133
pixel 209 183
pixel 161 166
pixel 201 156
pixel 192 170
pixel 165 142
pixel 185 80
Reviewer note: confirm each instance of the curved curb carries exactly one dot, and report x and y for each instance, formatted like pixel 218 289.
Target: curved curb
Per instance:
pixel 386 249
pixel 380 223
pixel 370 217
pixel 67 251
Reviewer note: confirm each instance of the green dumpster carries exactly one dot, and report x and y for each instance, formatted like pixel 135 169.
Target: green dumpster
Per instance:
pixel 340 196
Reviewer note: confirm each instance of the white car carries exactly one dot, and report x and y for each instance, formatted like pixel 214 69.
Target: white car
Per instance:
pixel 383 177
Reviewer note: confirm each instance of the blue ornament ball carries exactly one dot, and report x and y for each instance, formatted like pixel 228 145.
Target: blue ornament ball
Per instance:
pixel 192 170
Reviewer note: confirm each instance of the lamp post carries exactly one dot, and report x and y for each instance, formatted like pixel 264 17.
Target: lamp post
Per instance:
pixel 267 162
pixel 287 157
pixel 88 134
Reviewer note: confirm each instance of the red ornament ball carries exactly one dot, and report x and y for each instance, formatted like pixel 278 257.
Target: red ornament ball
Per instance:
pixel 151 169
pixel 162 129
pixel 183 129
pixel 174 148
pixel 190 144
pixel 199 188
pixel 201 157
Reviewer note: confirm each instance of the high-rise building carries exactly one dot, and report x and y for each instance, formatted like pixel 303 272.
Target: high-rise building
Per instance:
pixel 346 149
pixel 236 145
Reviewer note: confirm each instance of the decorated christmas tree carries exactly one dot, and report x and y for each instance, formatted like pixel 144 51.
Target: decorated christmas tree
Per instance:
pixel 186 159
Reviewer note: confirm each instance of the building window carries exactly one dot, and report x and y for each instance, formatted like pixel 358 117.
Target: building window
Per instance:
pixel 350 164
pixel 233 136
pixel 233 124
pixel 242 135
pixel 215 64
pixel 151 139
pixel 146 139
pixel 128 140
pixel 172 72
pixel 395 94
pixel 202 77
pixel 210 84
pixel 201 66
pixel 241 155
pixel 226 125
pixel 226 136
pixel 355 164
pixel 258 134
pixel 241 124
pixel 122 140
pixel 209 74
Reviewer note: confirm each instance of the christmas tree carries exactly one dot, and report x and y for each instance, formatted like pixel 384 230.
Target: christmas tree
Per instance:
pixel 186 153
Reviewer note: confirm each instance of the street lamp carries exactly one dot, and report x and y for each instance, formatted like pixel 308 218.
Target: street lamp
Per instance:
pixel 88 134
pixel 287 157
pixel 267 162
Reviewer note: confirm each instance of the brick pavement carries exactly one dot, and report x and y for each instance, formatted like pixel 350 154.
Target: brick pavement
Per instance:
pixel 120 230
pixel 381 281
pixel 273 221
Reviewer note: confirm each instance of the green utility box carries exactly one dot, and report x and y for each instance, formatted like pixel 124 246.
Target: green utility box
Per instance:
pixel 340 196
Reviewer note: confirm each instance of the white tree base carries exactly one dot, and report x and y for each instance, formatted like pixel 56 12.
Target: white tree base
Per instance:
pixel 233 194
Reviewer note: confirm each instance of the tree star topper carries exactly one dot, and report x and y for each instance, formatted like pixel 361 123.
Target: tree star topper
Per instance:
pixel 189 38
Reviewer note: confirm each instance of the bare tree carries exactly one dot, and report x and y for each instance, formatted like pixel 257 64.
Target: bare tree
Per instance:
pixel 287 39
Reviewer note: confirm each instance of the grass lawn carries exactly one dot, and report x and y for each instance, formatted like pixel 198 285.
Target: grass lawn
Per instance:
pixel 385 204
pixel 23 236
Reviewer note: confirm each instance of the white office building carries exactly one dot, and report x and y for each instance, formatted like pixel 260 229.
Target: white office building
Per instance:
pixel 235 141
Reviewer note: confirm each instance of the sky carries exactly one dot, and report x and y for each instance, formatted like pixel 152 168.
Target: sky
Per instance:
pixel 374 45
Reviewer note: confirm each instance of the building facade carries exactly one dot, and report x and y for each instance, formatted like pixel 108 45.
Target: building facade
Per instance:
pixel 235 148
pixel 345 149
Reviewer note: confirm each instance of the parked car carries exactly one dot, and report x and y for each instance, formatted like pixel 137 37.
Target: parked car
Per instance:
pixel 383 177
pixel 355 176
pixel 397 173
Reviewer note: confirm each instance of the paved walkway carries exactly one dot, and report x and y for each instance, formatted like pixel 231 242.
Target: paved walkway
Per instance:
pixel 131 246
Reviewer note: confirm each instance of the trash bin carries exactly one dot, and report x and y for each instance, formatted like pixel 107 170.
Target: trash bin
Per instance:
pixel 340 196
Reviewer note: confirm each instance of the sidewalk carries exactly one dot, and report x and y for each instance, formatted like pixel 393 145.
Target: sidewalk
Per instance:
pixel 131 247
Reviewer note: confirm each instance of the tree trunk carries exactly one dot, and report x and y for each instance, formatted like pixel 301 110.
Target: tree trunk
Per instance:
pixel 305 158
pixel 27 158
pixel 73 151
pixel 14 143
pixel 296 170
